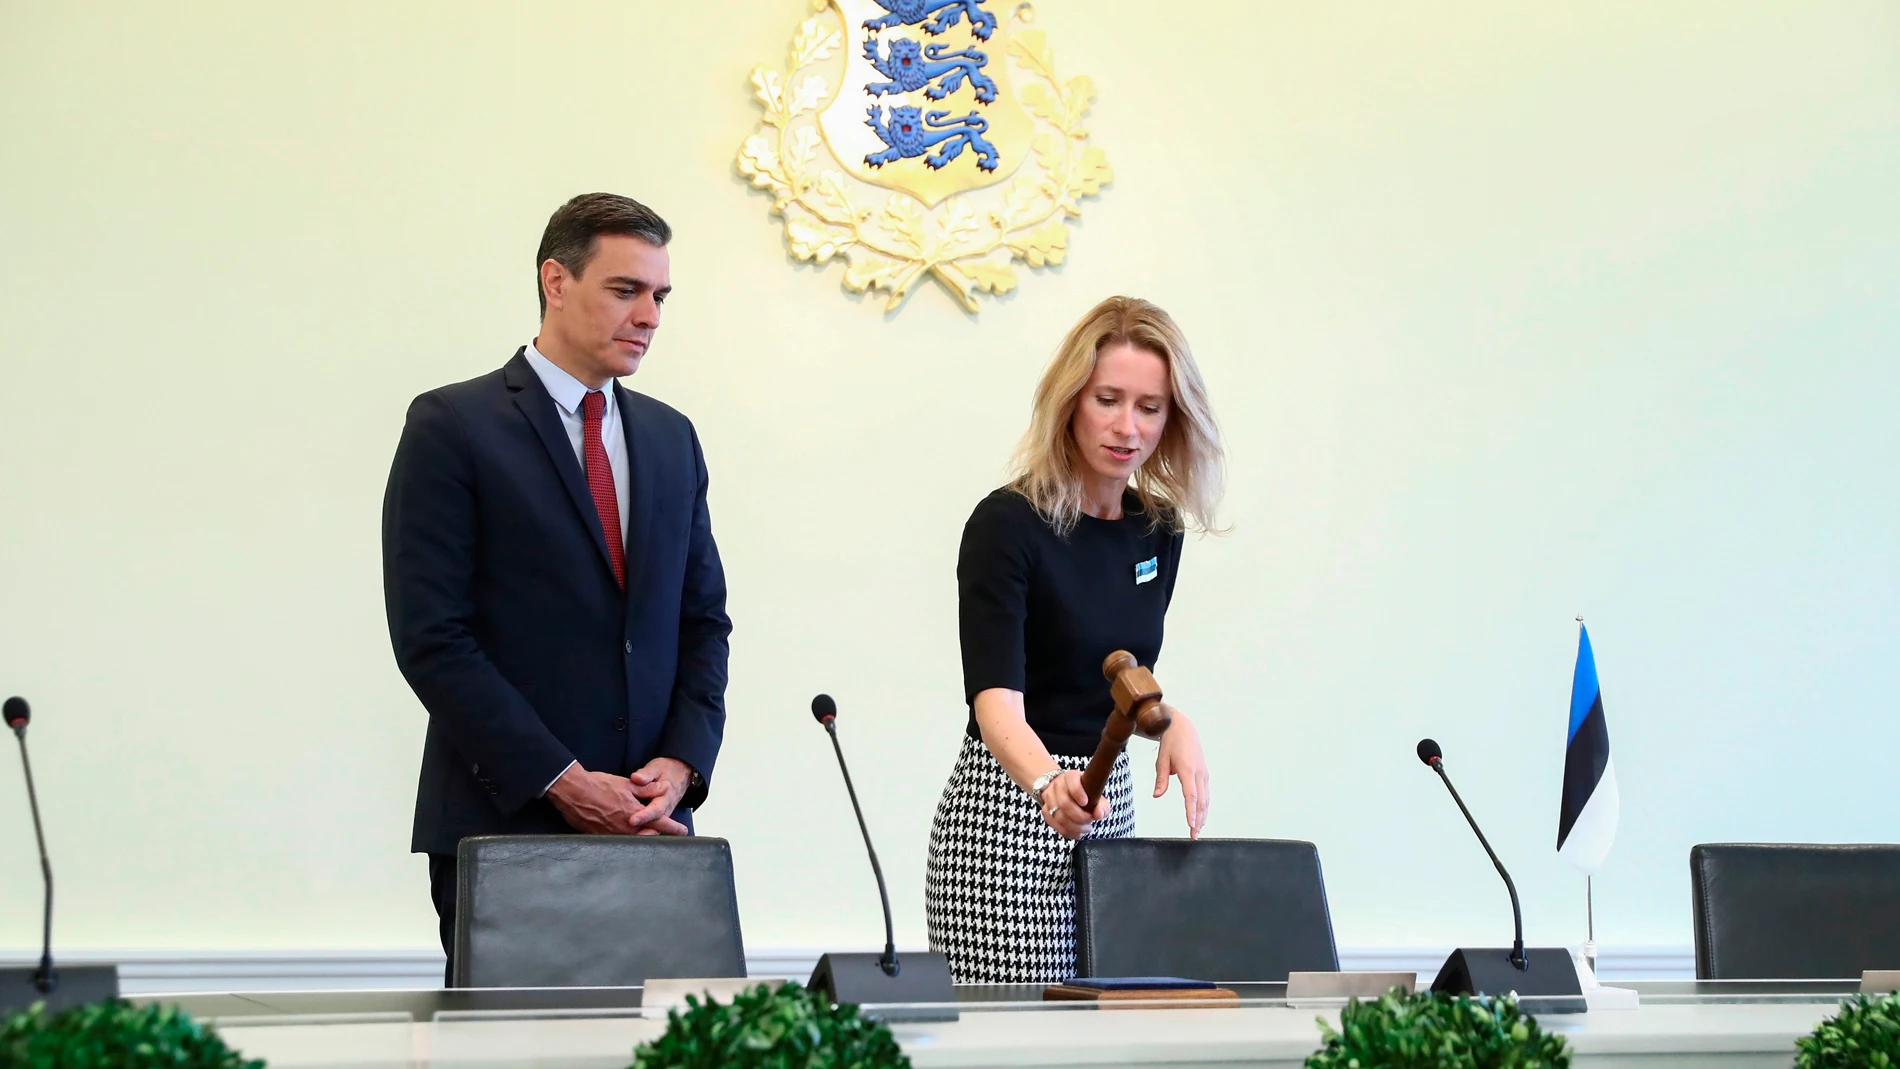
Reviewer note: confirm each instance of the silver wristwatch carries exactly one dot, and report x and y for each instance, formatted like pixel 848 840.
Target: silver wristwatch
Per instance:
pixel 1042 784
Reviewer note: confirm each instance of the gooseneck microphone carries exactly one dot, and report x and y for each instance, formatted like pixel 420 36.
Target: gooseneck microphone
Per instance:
pixel 17 712
pixel 1545 975
pixel 826 712
pixel 879 983
pixel 85 983
pixel 1429 753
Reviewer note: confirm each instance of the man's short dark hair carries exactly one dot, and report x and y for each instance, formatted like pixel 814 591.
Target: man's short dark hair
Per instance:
pixel 569 238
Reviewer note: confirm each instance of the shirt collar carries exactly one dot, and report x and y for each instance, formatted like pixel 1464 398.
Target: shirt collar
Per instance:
pixel 566 390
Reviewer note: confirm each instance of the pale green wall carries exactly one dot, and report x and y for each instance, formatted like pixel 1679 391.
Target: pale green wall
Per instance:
pixel 1511 311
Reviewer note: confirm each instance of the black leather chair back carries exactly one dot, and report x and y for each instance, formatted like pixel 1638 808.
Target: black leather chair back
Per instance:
pixel 1230 910
pixel 594 910
pixel 1795 911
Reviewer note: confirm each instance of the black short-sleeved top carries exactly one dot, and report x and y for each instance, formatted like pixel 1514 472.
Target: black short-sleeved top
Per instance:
pixel 1038 613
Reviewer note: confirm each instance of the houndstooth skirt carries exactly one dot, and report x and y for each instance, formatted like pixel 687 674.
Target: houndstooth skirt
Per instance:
pixel 999 894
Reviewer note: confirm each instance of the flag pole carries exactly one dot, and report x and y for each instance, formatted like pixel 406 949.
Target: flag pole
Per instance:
pixel 1589 904
pixel 1590 927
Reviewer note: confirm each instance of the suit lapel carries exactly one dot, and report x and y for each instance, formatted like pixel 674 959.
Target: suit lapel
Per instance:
pixel 532 399
pixel 640 456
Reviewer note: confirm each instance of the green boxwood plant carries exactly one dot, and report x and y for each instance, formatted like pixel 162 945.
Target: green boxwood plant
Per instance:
pixel 1864 1035
pixel 114 1034
pixel 787 1027
pixel 1403 1030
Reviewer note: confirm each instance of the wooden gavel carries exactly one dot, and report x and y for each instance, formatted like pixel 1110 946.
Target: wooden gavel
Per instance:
pixel 1138 711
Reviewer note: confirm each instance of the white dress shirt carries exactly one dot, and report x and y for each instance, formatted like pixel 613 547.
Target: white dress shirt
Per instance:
pixel 567 392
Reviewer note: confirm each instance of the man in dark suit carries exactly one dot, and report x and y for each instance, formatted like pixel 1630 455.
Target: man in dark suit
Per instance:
pixel 555 598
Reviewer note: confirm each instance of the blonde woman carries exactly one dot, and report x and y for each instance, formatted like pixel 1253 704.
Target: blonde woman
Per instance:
pixel 1074 559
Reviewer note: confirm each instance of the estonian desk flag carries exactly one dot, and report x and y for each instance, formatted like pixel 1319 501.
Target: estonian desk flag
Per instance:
pixel 1587 824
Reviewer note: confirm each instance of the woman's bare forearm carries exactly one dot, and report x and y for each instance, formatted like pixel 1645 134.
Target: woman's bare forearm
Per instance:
pixel 999 716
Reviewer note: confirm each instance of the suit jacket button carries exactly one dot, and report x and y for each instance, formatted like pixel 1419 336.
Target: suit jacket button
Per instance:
pixel 620 723
pixel 629 645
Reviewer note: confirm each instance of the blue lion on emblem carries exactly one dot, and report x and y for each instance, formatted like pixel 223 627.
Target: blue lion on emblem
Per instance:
pixel 911 68
pixel 942 14
pixel 910 133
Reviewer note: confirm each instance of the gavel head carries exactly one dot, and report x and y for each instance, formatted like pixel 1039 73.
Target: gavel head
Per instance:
pixel 1136 694
pixel 1152 719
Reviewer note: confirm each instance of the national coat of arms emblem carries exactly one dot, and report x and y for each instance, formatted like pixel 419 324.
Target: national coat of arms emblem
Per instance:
pixel 948 111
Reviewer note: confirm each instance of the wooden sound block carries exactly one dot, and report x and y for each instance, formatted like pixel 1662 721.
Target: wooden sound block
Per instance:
pixel 1065 993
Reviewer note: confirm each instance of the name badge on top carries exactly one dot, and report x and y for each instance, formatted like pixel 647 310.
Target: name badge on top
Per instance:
pixel 1147 570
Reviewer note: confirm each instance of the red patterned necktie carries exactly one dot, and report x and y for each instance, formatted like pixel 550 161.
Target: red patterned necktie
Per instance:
pixel 600 481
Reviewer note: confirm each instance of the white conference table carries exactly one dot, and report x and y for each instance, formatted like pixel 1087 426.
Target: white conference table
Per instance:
pixel 1680 1025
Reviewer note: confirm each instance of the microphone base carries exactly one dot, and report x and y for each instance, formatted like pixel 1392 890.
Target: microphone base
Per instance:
pixel 860 979
pixel 1548 983
pixel 78 985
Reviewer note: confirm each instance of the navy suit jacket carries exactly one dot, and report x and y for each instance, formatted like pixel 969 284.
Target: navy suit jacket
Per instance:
pixel 505 617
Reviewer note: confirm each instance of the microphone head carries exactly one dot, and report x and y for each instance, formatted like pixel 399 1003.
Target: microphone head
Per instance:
pixel 1429 752
pixel 823 709
pixel 17 712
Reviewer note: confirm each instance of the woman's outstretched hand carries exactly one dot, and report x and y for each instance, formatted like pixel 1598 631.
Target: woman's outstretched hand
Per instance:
pixel 1180 756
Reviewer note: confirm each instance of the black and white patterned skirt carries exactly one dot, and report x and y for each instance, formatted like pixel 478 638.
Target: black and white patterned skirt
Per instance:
pixel 999 893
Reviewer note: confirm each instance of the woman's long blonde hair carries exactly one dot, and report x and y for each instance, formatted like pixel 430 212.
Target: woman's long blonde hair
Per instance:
pixel 1180 484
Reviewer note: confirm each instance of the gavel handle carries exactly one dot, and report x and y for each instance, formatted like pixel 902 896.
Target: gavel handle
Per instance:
pixel 1095 776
